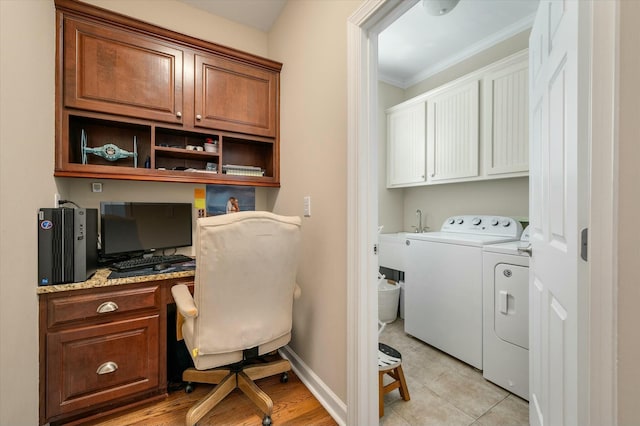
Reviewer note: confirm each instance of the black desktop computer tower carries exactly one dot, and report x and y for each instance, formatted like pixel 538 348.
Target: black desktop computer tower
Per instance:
pixel 67 245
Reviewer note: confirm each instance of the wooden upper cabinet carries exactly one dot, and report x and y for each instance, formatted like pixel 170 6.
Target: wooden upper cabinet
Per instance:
pixel 236 97
pixel 118 72
pixel 159 96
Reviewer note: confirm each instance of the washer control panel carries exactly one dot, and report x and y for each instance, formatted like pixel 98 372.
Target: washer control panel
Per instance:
pixel 483 225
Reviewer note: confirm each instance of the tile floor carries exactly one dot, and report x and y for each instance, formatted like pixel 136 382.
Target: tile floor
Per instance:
pixel 445 391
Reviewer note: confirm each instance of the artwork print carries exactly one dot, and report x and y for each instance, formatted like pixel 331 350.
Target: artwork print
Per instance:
pixel 223 199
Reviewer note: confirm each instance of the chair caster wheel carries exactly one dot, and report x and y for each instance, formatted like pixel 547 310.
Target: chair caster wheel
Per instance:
pixel 266 421
pixel 284 378
pixel 189 388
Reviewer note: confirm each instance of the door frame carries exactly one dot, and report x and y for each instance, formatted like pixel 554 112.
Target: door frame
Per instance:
pixel 597 301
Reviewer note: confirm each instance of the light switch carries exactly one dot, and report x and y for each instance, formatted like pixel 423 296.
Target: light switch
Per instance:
pixel 307 206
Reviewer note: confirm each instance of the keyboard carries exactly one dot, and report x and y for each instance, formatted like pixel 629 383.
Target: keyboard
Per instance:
pixel 147 262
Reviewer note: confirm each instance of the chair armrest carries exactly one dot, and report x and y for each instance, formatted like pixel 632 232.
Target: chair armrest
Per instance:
pixel 184 301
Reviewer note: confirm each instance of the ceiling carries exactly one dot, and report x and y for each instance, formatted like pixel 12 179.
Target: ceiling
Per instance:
pixel 417 44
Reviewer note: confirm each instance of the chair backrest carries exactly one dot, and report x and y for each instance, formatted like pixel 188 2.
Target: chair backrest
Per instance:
pixel 246 265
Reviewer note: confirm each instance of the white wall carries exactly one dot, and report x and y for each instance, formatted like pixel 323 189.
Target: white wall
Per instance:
pixel 505 197
pixel 310 39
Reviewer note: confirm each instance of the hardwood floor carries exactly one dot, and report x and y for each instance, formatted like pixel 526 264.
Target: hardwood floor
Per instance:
pixel 293 404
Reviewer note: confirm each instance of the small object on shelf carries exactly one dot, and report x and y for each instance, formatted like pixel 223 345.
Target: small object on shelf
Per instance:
pixel 212 167
pixel 238 170
pixel 109 151
pixel 211 145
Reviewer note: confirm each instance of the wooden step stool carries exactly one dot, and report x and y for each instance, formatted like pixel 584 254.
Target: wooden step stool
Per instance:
pixel 390 362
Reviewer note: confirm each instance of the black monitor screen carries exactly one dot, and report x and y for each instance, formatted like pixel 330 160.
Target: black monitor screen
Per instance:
pixel 143 227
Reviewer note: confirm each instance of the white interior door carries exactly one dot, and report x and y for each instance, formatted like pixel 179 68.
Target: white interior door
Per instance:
pixel 556 210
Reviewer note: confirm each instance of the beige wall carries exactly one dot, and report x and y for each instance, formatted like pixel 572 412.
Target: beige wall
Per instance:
pixel 180 17
pixel 505 197
pixel 310 38
pixel 27 45
pixel 629 211
pixel 313 163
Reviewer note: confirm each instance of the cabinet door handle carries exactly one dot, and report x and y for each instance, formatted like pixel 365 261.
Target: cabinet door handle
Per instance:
pixel 107 367
pixel 107 307
pixel 179 114
pixel 198 117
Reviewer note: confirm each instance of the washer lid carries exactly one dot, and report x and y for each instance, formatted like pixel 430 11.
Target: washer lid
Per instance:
pixel 459 238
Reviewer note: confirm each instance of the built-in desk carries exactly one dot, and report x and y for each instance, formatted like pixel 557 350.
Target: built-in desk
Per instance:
pixel 103 343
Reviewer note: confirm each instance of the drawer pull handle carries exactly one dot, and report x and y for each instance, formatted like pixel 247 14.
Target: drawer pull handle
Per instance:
pixel 107 367
pixel 107 307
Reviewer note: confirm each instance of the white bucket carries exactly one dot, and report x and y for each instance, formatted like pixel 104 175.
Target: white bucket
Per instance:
pixel 388 298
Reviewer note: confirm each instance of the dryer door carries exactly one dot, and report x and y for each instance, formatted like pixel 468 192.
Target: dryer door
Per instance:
pixel 511 314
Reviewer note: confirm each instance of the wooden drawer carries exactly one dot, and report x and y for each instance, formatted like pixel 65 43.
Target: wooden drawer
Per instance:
pixel 92 365
pixel 105 305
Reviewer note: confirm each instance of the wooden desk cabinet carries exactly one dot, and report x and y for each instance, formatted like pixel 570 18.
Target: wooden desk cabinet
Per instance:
pixel 157 93
pixel 103 348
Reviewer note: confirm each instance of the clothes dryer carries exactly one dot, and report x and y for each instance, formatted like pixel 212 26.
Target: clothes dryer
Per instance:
pixel 443 282
pixel 506 315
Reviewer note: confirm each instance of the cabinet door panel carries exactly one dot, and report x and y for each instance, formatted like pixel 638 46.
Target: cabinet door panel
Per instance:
pixel 235 97
pixel 453 138
pixel 406 146
pixel 114 71
pixel 130 348
pixel 506 134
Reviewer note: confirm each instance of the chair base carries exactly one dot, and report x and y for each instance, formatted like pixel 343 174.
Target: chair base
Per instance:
pixel 236 377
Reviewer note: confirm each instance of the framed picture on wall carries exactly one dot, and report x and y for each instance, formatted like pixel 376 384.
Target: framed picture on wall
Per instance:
pixel 223 199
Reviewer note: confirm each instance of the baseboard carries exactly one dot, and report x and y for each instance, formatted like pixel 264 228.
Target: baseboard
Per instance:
pixel 329 400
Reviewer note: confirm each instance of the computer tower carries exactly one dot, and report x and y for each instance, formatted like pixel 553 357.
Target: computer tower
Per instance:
pixel 67 245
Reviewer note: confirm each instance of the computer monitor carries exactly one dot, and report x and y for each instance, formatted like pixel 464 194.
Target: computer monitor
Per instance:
pixel 132 228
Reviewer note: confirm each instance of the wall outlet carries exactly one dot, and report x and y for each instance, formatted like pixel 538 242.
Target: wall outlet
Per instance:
pixel 201 213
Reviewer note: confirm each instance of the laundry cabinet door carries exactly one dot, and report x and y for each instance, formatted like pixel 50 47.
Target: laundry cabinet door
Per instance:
pixel 506 117
pixel 453 138
pixel 406 130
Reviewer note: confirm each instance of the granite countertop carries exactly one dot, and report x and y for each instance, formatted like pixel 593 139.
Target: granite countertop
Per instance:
pixel 101 279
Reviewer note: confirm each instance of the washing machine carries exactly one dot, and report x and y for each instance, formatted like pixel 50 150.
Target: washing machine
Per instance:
pixel 506 315
pixel 443 282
